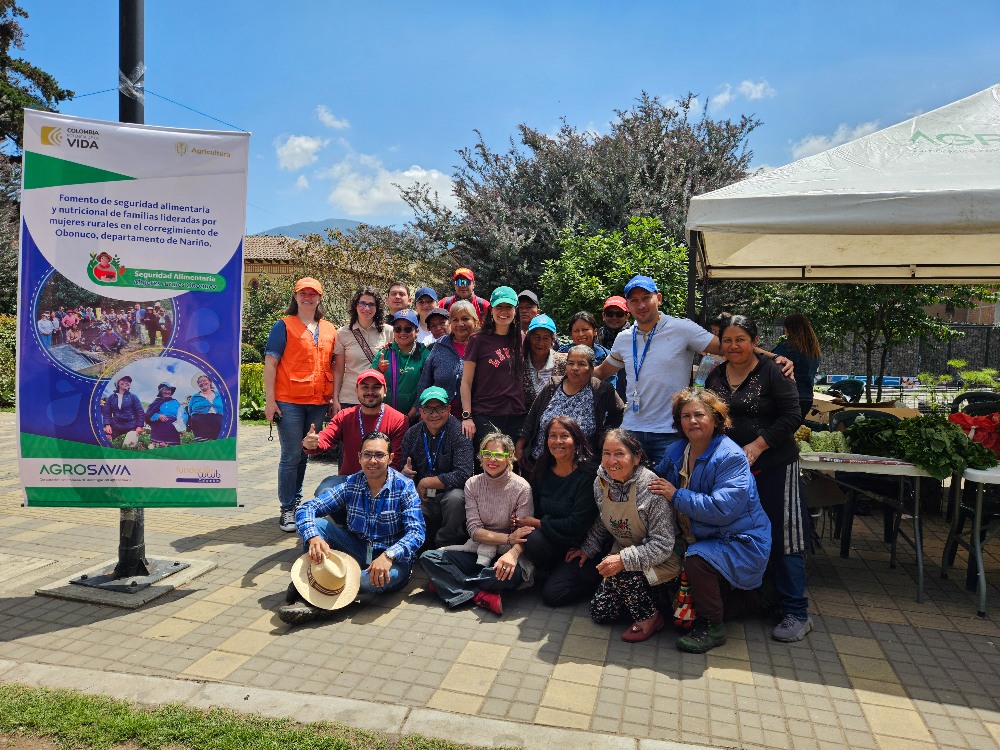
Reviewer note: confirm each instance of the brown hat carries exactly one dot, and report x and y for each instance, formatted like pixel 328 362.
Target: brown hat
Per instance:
pixel 309 282
pixel 332 584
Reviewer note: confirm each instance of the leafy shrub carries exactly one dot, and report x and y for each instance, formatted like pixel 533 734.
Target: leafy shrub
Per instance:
pixel 252 391
pixel 250 355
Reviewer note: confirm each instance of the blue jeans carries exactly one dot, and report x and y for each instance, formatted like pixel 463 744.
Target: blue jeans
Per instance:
pixel 655 444
pixel 345 540
pixel 790 581
pixel 294 425
pixel 457 576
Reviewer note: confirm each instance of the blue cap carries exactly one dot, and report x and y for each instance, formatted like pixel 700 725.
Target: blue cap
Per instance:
pixel 425 291
pixel 640 282
pixel 407 315
pixel 542 321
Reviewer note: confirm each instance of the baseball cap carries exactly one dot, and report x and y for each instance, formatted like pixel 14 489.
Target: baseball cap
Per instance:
pixel 434 393
pixel 425 291
pixel 466 273
pixel 640 282
pixel 309 283
pixel 542 321
pixel 503 295
pixel 442 311
pixel 616 301
pixel 370 373
pixel 529 294
pixel 407 315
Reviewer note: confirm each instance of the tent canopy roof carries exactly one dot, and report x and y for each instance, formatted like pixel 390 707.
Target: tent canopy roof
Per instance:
pixel 916 202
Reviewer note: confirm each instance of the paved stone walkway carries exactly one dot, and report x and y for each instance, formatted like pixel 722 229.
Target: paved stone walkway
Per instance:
pixel 878 670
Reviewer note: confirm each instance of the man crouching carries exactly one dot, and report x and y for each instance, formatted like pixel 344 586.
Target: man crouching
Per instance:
pixel 385 527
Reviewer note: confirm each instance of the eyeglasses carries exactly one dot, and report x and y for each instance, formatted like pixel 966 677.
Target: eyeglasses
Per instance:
pixel 367 305
pixel 403 329
pixel 374 456
pixel 613 313
pixel 434 410
pixel 462 282
pixel 487 455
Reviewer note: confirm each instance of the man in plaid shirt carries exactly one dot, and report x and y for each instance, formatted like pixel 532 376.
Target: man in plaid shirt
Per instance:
pixel 385 527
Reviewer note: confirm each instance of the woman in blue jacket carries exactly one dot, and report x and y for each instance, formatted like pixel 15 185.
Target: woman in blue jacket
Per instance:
pixel 443 367
pixel 205 411
pixel 707 478
pixel 162 415
pixel 122 411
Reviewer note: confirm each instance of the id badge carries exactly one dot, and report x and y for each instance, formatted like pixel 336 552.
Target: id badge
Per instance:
pixel 635 402
pixel 368 554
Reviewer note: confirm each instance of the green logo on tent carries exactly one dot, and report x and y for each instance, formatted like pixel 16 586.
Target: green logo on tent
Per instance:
pixel 957 139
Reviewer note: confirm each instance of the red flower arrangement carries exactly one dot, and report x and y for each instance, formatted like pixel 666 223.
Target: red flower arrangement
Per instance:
pixel 984 429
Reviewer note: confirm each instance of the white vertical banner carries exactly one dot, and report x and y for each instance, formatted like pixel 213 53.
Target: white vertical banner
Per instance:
pixel 129 315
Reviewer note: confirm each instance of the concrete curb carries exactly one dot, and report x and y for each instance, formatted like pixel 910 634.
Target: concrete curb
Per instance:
pixel 156 691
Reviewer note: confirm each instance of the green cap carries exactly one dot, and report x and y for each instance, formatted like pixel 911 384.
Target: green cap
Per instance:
pixel 434 393
pixel 503 295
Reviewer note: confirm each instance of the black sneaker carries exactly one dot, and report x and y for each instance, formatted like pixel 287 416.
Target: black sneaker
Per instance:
pixel 295 614
pixel 286 522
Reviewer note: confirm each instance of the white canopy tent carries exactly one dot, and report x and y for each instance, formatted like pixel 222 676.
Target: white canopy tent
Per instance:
pixel 918 202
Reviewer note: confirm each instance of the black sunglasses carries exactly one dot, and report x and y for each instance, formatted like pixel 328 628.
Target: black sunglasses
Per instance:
pixel 403 329
pixel 613 313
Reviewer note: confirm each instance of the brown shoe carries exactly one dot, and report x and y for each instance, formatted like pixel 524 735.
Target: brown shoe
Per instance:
pixel 638 632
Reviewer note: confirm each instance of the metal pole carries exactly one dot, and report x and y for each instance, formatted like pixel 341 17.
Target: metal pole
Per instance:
pixel 131 108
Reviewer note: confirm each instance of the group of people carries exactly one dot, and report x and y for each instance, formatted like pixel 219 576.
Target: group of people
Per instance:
pixel 474 445
pixel 202 413
pixel 105 330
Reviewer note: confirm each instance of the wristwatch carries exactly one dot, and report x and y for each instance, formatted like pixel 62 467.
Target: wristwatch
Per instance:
pixel 466 415
pixel 390 554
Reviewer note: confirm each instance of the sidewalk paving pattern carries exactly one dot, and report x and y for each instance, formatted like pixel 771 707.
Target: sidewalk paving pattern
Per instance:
pixel 877 671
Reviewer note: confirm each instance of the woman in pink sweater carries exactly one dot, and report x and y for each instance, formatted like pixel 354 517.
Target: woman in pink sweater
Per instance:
pixel 490 562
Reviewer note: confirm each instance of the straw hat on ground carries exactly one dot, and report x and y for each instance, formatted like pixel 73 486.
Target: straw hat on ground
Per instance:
pixel 332 584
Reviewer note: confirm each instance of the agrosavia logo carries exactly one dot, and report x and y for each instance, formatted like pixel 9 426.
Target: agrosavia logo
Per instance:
pixel 71 137
pixel 85 470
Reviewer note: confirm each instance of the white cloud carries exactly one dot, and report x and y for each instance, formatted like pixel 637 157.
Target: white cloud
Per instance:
pixel 721 99
pixel 302 183
pixel 747 89
pixel 759 90
pixel 331 120
pixel 364 188
pixel 814 144
pixel 298 151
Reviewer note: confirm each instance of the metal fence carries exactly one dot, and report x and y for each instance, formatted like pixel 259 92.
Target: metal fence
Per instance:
pixel 978 345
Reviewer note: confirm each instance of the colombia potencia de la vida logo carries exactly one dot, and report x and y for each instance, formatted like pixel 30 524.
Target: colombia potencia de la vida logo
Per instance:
pixel 52 135
pixel 181 148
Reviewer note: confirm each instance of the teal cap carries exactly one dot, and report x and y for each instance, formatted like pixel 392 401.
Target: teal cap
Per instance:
pixel 434 393
pixel 503 295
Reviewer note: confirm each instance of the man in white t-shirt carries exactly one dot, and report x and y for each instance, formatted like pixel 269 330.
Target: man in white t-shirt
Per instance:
pixel 656 352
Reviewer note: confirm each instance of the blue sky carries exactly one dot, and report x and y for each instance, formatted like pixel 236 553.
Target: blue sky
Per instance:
pixel 344 99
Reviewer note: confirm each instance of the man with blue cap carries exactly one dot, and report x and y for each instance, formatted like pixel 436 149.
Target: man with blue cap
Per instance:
pixel 439 460
pixel 656 352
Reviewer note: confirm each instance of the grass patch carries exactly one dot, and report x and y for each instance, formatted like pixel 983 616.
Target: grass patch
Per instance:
pixel 76 720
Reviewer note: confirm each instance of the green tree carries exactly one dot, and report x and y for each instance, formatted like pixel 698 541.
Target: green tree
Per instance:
pixel 514 206
pixel 592 267
pixel 263 304
pixel 21 83
pixel 877 316
pixel 10 213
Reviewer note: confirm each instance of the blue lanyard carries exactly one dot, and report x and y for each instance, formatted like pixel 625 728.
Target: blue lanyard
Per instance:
pixel 636 360
pixel 432 462
pixel 361 424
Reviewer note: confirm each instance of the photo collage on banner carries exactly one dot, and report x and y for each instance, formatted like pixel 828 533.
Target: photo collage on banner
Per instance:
pixel 129 314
